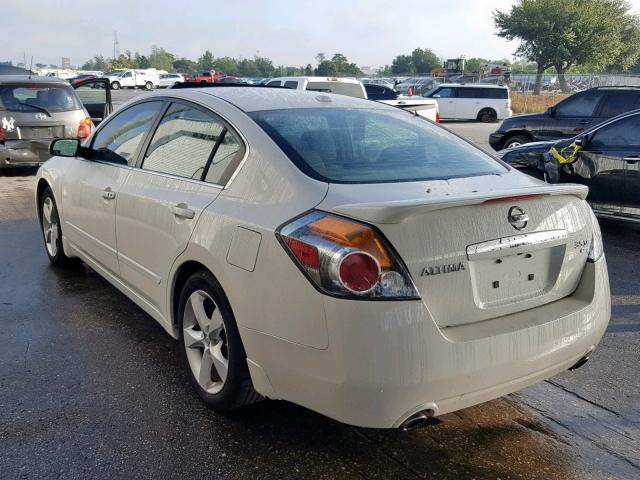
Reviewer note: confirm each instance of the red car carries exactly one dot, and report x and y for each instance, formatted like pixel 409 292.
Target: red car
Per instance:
pixel 212 76
pixel 80 78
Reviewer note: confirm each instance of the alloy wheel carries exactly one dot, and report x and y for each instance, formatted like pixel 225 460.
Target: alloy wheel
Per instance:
pixel 50 226
pixel 205 342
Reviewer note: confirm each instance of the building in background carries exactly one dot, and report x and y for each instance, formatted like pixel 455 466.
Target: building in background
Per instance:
pixel 66 62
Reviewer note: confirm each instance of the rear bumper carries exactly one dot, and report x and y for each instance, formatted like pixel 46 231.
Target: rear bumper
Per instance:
pixel 388 360
pixel 23 153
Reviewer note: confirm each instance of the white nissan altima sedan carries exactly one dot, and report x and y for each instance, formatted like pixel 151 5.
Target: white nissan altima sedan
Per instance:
pixel 330 251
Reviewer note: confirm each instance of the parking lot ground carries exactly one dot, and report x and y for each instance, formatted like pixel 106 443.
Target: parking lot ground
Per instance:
pixel 92 387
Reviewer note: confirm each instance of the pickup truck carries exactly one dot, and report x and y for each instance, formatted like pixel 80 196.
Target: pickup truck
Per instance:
pixel 212 76
pixel 132 79
pixel 425 107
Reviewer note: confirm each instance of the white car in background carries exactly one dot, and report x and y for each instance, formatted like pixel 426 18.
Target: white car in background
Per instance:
pixel 133 79
pixel 482 102
pixel 170 79
pixel 425 107
pixel 330 251
pixel 341 86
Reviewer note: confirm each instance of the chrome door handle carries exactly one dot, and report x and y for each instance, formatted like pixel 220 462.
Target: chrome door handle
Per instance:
pixel 634 159
pixel 108 194
pixel 183 211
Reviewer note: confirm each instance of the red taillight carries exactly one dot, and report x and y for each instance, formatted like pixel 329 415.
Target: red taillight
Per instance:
pixel 1 135
pixel 306 254
pixel 359 272
pixel 437 117
pixel 85 128
pixel 346 258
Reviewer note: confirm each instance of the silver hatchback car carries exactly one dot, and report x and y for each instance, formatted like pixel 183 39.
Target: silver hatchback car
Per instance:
pixel 35 110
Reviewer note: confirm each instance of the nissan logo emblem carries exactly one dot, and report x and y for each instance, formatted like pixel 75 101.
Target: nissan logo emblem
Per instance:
pixel 517 218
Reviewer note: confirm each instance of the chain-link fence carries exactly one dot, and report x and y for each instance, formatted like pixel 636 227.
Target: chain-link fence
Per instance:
pixel 552 87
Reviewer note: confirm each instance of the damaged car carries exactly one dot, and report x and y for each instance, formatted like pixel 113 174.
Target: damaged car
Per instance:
pixel 606 158
pixel 35 110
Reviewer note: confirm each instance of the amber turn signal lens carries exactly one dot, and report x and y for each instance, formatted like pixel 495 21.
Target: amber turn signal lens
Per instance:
pixel 351 234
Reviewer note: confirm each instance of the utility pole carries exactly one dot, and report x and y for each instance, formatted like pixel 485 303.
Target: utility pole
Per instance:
pixel 116 45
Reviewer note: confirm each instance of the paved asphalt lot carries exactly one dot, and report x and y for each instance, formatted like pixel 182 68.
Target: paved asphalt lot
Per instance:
pixel 91 387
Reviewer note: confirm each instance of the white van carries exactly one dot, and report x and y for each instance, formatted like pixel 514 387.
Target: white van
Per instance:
pixel 485 103
pixel 343 86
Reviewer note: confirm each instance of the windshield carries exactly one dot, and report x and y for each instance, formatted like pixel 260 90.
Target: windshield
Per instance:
pixel 371 146
pixel 39 98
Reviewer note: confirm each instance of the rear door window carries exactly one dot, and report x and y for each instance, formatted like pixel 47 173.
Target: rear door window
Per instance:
pixel 291 84
pixel 624 133
pixel 582 105
pixel 619 102
pixel 39 98
pixel 183 143
pixel 469 93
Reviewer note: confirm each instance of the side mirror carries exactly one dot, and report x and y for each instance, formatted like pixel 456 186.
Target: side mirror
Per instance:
pixel 580 142
pixel 550 111
pixel 64 147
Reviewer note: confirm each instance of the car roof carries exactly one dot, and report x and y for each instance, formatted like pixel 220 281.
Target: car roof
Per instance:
pixel 471 85
pixel 256 98
pixel 13 79
pixel 319 79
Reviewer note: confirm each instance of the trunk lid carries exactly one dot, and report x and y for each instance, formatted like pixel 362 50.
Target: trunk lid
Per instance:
pixel 461 246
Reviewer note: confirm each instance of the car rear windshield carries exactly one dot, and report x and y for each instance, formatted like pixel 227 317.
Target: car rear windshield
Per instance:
pixel 38 98
pixel 342 88
pixel 372 146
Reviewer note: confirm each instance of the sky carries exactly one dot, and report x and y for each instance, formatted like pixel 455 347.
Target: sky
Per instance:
pixel 368 32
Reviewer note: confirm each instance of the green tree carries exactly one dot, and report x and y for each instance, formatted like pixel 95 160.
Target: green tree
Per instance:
pixel 264 65
pixel 402 65
pixel 161 59
pixel 121 62
pixel 424 60
pixel 141 61
pixel 308 70
pixel 41 65
pixel 227 64
pixel 563 33
pixel 97 63
pixel 205 62
pixel 184 65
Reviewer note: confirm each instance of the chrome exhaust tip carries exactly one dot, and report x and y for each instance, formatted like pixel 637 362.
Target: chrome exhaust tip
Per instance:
pixel 585 358
pixel 580 363
pixel 418 420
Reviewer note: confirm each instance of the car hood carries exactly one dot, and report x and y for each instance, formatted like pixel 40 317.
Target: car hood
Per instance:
pixel 516 120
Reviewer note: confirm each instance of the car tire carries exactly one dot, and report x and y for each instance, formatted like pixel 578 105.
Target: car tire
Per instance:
pixel 52 231
pixel 210 345
pixel 515 141
pixel 115 85
pixel 148 86
pixel 487 115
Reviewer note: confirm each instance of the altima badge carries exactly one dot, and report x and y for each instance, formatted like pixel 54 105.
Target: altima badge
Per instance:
pixel 438 269
pixel 517 218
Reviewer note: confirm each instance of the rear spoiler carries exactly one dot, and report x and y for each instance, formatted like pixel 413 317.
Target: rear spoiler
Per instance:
pixel 399 211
